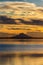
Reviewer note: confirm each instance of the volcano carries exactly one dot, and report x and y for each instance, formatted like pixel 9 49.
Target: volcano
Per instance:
pixel 22 36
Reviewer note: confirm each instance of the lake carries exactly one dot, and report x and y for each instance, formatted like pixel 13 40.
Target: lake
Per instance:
pixel 20 60
pixel 18 45
pixel 30 52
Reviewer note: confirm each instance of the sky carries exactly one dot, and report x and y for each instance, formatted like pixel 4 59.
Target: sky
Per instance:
pixel 37 2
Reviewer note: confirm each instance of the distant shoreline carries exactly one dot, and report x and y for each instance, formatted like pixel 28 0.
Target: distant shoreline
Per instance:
pixel 21 38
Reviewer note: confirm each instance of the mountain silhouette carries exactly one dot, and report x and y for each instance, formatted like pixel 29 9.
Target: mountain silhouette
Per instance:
pixel 22 36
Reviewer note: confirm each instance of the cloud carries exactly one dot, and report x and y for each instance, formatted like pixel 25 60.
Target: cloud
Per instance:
pixel 11 4
pixel 20 9
pixel 14 5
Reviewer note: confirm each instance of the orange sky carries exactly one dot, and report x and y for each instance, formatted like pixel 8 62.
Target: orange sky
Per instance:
pixel 15 29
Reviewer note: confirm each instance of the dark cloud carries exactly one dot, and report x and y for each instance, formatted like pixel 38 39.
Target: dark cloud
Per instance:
pixel 32 22
pixel 6 20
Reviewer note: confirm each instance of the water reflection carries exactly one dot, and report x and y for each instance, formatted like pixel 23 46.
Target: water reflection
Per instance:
pixel 21 60
pixel 15 59
pixel 20 41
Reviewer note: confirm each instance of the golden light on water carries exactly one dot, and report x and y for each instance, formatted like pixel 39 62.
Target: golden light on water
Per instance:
pixel 21 60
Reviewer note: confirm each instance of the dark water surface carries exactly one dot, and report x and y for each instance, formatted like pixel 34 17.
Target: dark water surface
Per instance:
pixel 21 45
pixel 18 60
pixel 9 45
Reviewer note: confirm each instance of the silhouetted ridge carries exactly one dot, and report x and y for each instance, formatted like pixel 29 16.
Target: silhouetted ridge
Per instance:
pixel 22 36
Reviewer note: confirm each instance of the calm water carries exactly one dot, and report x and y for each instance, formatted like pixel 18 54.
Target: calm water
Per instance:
pixel 10 45
pixel 21 60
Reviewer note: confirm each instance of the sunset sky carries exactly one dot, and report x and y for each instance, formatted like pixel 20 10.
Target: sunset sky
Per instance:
pixel 21 14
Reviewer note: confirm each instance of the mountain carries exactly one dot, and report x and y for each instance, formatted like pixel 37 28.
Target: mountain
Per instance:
pixel 26 36
pixel 21 36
